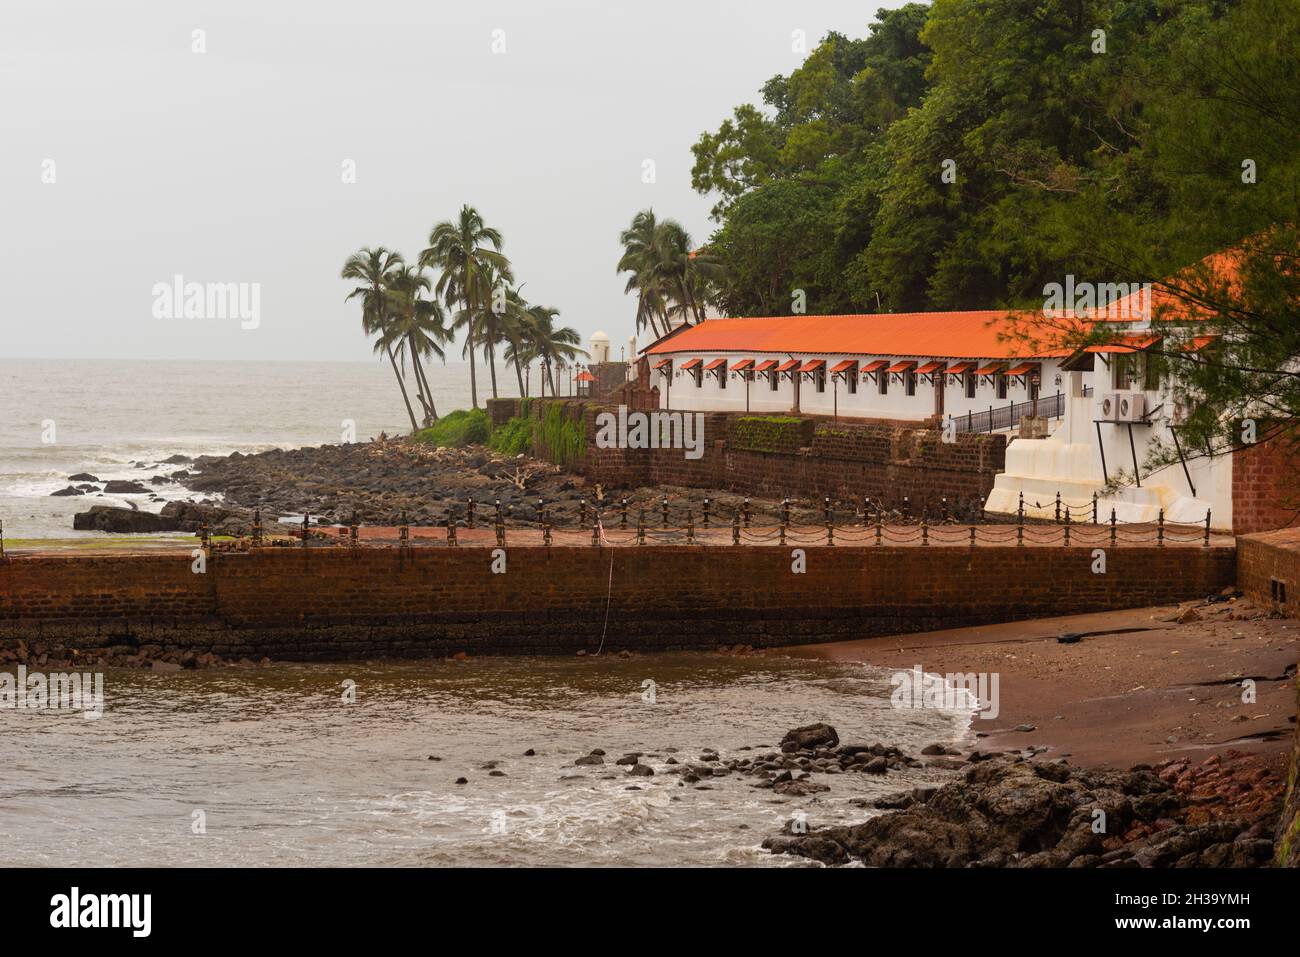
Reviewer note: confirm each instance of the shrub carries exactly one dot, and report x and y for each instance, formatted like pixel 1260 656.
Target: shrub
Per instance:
pixel 456 429
pixel 512 438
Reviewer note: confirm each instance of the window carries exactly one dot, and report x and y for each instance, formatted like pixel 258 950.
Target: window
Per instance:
pixel 774 381
pixel 970 382
pixel 820 378
pixel 883 381
pixel 909 382
pixel 1002 386
pixel 1123 369
pixel 722 378
pixel 1151 373
pixel 698 373
pixel 851 380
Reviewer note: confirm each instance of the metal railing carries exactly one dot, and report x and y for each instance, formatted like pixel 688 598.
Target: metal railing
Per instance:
pixel 616 523
pixel 1008 416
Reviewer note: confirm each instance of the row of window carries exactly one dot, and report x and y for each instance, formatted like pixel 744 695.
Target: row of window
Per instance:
pixel 969 382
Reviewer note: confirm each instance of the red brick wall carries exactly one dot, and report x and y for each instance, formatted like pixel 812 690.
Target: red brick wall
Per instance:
pixel 1265 487
pixel 1265 561
pixel 884 462
pixel 339 603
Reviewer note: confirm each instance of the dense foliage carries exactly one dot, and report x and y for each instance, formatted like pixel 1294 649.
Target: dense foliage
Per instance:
pixel 967 153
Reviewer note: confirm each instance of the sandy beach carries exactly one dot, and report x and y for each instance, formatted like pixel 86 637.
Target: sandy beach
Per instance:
pixel 1139 687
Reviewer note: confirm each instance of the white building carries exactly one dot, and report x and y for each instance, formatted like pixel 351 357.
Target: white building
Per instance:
pixel 909 367
pixel 1106 409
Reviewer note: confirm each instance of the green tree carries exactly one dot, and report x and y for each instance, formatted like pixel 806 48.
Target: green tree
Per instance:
pixel 375 268
pixel 467 253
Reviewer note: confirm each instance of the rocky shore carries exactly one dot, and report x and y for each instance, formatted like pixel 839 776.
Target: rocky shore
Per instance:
pixel 386 482
pixel 1010 811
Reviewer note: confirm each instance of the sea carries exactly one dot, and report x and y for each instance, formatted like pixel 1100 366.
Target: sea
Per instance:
pixel 119 419
pixel 357 764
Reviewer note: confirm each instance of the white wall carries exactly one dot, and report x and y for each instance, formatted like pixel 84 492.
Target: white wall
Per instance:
pixel 681 392
pixel 1070 462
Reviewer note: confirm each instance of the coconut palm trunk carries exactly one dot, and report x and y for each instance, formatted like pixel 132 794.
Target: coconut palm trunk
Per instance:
pixel 401 384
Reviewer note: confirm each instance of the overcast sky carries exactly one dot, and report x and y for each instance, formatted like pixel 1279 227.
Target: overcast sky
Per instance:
pixel 227 166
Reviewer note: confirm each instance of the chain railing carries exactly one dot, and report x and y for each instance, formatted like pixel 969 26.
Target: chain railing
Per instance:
pixel 608 523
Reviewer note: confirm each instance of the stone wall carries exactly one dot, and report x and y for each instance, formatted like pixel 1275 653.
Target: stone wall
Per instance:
pixel 1268 571
pixel 339 603
pixel 796 456
pixel 1265 486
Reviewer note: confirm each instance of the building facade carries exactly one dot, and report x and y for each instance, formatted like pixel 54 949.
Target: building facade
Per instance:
pixel 912 367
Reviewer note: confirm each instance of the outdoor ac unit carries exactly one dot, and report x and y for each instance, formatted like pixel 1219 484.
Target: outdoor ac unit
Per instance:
pixel 1110 406
pixel 1132 406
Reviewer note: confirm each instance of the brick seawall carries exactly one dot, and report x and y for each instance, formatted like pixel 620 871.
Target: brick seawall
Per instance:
pixel 339 603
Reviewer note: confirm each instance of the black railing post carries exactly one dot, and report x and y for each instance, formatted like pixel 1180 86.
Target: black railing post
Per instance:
pixel 1206 542
pixel 706 513
pixel 745 512
pixel 469 515
pixel 1058 508
pixel 664 506
pixel 1160 528
pixel 1094 508
pixel 1112 526
pixel 735 529
pixel 622 514
pixel 640 526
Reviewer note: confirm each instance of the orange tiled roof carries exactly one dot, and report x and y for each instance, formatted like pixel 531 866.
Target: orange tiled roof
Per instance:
pixel 954 335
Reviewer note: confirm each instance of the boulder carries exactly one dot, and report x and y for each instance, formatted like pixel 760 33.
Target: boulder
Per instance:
pixel 809 737
pixel 110 518
pixel 120 487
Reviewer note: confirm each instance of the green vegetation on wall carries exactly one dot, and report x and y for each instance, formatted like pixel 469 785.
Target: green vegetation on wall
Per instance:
pixel 767 433
pixel 556 434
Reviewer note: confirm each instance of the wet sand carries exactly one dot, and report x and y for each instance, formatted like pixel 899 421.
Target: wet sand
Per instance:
pixel 1139 688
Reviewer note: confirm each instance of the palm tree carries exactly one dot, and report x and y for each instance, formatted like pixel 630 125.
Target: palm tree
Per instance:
pixel 460 251
pixel 671 279
pixel 551 345
pixel 639 260
pixel 421 323
pixel 375 268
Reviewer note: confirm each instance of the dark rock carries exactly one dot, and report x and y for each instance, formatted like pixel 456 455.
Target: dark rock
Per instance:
pixel 809 737
pixel 121 487
pixel 69 490
pixel 589 759
pixel 110 518
pixel 82 477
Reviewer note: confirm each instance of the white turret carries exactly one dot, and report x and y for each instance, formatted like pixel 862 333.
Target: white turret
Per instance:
pixel 599 347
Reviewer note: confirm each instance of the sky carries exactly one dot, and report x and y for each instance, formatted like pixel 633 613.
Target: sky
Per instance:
pixel 136 150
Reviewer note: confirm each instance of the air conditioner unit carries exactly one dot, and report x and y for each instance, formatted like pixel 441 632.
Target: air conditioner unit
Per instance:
pixel 1110 406
pixel 1132 407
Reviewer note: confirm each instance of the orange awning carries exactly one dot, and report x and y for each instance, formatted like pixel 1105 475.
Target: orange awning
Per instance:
pixel 875 366
pixel 1199 343
pixel 1022 368
pixel 663 362
pixel 743 365
pixel 767 365
pixel 958 368
pixel 788 366
pixel 991 369
pixel 812 365
pixel 714 364
pixel 903 365
pixel 1125 344
pixel 585 376
pixel 690 364
pixel 931 367
pixel 844 366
